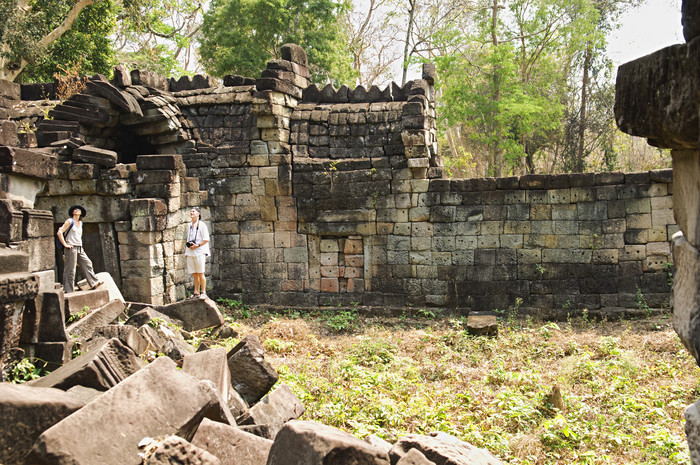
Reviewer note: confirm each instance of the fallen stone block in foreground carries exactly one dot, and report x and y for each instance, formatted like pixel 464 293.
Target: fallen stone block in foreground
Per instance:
pixel 195 314
pixel 442 449
pixel 148 315
pixel 174 450
pixel 310 443
pixel 102 368
pixel 414 457
pixel 85 327
pixel 177 349
pixel 275 409
pixel 27 412
pixel 158 400
pixel 230 444
pixel 127 334
pixel 378 442
pixel 251 375
pixel 212 365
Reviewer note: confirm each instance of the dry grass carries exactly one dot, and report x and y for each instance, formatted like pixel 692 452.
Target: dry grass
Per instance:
pixel 624 384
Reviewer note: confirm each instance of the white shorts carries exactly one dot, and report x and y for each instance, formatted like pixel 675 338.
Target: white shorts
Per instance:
pixel 195 264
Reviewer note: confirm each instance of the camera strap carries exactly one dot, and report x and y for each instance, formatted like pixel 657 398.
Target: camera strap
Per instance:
pixel 194 239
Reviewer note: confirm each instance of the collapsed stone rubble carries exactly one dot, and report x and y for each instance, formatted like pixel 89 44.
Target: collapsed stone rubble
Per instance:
pixel 109 405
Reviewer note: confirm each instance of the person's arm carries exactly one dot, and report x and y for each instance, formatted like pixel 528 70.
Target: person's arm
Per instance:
pixel 200 244
pixel 61 231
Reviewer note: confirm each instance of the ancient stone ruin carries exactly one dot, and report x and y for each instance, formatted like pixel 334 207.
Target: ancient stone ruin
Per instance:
pixel 317 196
pixel 139 393
pixel 657 97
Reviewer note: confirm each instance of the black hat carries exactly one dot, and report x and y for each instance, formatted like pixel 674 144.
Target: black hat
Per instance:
pixel 83 213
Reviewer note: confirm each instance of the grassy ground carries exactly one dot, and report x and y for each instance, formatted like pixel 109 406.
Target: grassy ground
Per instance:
pixel 624 384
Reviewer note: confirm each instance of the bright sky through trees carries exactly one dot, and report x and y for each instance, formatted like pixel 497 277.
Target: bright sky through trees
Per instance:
pixel 654 25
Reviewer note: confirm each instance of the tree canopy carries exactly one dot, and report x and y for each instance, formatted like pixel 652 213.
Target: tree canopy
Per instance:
pixel 240 36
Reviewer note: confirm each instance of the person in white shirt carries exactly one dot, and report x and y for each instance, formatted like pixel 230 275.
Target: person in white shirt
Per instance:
pixel 196 251
pixel 73 253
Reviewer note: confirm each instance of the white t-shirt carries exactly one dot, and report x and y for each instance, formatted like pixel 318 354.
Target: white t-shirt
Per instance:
pixel 197 233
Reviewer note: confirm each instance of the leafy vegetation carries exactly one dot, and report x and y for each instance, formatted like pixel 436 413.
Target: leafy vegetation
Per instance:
pixel 240 36
pixel 624 385
pixel 26 370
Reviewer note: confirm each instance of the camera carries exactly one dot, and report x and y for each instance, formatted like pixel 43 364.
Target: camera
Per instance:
pixel 189 244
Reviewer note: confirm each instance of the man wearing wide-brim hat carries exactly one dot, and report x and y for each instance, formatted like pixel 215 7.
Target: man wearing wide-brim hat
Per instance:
pixel 71 236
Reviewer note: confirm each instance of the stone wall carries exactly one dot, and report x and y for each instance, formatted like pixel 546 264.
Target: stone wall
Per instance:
pixel 657 97
pixel 323 196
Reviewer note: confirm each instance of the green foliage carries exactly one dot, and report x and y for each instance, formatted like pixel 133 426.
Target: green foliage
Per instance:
pixel 278 346
pixel 668 268
pixel 87 43
pixel 235 307
pixel 159 36
pixel 78 315
pixel 25 370
pixel 624 394
pixel 341 320
pixel 240 36
pixel 642 303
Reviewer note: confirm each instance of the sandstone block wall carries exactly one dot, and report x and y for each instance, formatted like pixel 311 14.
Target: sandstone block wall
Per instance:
pixel 323 196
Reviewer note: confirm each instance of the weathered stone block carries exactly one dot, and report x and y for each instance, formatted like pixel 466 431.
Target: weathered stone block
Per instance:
pixel 30 163
pixel 102 368
pixel 127 335
pixel 27 412
pixel 158 400
pixel 212 365
pixel 654 97
pixel 85 327
pixel 685 296
pixel 176 450
pixel 230 444
pixel 251 375
pixel 441 448
pixel 310 443
pixel 275 409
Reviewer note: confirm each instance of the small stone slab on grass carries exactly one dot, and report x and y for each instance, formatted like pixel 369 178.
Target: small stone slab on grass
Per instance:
pixel 482 325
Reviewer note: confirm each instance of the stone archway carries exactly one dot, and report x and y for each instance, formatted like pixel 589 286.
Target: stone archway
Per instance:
pixel 98 135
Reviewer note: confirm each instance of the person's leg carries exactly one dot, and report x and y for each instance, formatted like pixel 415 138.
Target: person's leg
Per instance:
pixel 197 287
pixel 86 267
pixel 192 269
pixel 70 257
pixel 201 260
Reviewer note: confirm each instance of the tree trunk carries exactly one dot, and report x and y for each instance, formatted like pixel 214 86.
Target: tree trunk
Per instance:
pixel 580 155
pixel 497 147
pixel 406 46
pixel 11 69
